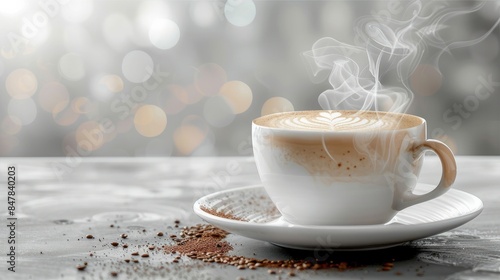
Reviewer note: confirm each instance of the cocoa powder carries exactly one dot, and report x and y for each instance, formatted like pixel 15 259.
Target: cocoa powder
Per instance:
pixel 225 215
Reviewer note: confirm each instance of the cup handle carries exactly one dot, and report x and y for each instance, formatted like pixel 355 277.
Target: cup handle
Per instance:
pixel 449 173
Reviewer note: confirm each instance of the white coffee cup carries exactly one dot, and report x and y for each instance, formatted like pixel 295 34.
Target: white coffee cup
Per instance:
pixel 345 167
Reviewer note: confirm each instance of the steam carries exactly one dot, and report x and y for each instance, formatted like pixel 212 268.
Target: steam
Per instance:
pixel 388 47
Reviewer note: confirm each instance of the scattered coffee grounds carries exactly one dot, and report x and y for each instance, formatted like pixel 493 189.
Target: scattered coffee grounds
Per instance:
pixel 205 243
pixel 387 266
pixel 200 238
pixel 226 215
pixel 81 267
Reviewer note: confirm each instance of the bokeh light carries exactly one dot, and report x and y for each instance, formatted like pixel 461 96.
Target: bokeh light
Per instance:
pixel 150 120
pixel 52 95
pixel 81 105
pixel 426 80
pixel 195 120
pixel 23 109
pixel 64 115
pixel 187 139
pixel 8 53
pixel 137 66
pixel 151 10
pixel 89 136
pixel 77 11
pixel 112 83
pixel 103 87
pixel 21 83
pixel 164 34
pixel 84 60
pixel 276 105
pixel 217 112
pixel 11 125
pixel 238 95
pixel 72 67
pixel 209 78
pixel 240 12
pixel 187 95
pixel 203 13
pixel 190 134
pixel 173 105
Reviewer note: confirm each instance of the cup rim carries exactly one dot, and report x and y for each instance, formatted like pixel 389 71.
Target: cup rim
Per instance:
pixel 323 131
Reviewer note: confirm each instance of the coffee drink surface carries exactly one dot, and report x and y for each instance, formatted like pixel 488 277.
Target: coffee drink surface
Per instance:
pixel 338 145
pixel 338 121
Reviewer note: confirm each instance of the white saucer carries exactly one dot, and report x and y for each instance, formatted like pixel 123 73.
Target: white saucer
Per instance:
pixel 249 212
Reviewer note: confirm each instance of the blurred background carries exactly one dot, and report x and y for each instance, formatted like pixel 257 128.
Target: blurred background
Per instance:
pixel 186 78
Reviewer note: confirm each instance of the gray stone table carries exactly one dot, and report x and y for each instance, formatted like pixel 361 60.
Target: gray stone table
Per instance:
pixel 59 201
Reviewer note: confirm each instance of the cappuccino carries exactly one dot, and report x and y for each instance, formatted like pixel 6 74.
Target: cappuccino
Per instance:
pixel 344 167
pixel 338 120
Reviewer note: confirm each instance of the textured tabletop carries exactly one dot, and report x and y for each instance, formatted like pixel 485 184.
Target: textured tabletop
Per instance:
pixel 70 212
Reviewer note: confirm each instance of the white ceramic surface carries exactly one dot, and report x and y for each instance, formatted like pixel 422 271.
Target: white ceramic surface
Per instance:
pixel 250 212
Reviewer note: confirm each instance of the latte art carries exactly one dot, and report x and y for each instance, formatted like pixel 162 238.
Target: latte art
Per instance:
pixel 339 122
pixel 334 121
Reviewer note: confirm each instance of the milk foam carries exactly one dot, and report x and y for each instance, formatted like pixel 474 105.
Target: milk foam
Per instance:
pixel 334 120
